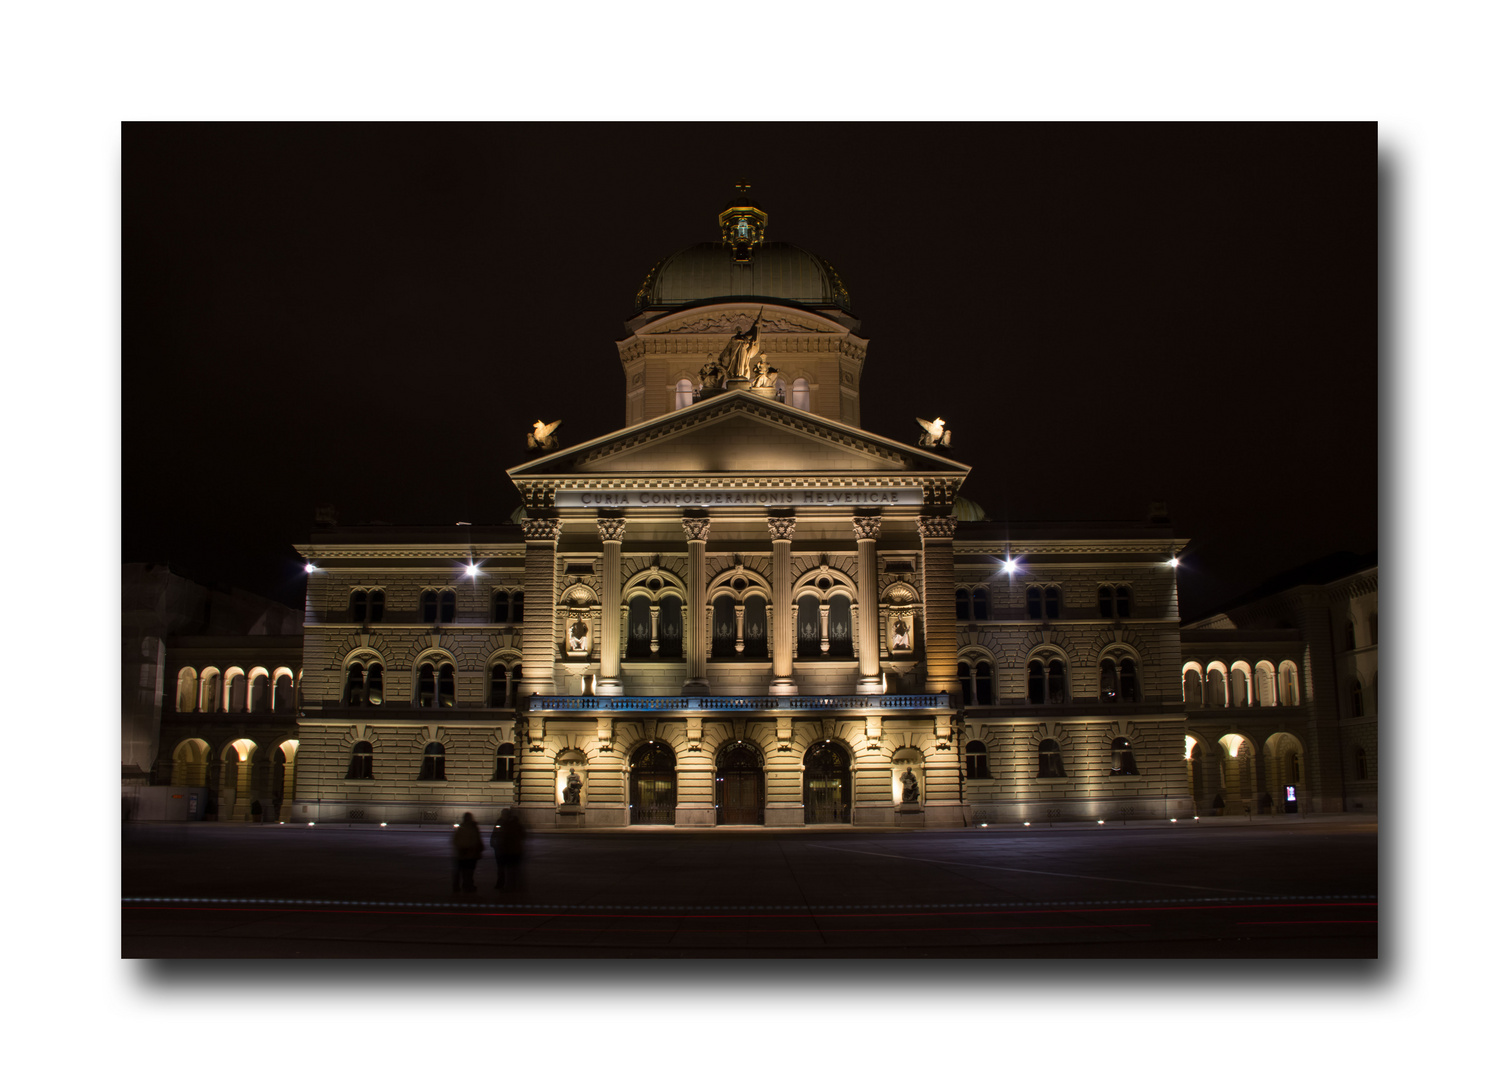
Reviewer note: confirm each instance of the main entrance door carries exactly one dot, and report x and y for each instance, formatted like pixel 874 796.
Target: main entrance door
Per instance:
pixel 740 786
pixel 827 785
pixel 653 785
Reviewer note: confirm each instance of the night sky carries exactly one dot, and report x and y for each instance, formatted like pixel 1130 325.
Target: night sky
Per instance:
pixel 371 316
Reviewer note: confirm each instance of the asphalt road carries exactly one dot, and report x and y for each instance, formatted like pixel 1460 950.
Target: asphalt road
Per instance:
pixel 1214 890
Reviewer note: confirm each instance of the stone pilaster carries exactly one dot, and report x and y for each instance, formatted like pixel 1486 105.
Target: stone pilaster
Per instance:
pixel 866 532
pixel 538 647
pixel 937 584
pixel 694 613
pixel 783 640
pixel 612 533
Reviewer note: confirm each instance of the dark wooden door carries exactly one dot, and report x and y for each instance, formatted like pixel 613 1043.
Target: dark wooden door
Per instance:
pixel 740 787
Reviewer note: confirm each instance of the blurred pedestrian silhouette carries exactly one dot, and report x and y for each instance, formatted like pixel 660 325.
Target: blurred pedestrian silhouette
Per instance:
pixel 467 847
pixel 508 840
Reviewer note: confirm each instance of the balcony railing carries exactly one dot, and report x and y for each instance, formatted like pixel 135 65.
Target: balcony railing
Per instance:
pixel 882 703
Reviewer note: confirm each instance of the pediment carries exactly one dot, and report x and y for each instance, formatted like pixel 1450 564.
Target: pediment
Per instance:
pixel 738 433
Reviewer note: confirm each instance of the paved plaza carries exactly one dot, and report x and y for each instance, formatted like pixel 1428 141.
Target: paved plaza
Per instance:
pixel 1222 888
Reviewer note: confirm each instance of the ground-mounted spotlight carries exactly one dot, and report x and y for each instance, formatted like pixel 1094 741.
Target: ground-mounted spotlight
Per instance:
pixel 1100 821
pixel 1027 824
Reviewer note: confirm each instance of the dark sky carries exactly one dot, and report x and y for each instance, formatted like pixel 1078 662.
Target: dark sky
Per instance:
pixel 370 316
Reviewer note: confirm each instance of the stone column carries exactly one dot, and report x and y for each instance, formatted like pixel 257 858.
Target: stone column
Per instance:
pixel 866 532
pixel 538 647
pixel 783 639
pixel 612 533
pixel 940 624
pixel 694 615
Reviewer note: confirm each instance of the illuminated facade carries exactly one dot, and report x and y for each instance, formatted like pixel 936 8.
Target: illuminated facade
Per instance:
pixel 739 609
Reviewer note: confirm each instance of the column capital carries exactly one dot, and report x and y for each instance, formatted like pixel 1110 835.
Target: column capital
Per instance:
pixel 782 528
pixel 611 528
pixel 541 530
pixel 941 527
pixel 695 528
pixel 866 528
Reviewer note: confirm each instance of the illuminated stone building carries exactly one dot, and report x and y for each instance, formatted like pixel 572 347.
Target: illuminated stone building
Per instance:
pixel 740 608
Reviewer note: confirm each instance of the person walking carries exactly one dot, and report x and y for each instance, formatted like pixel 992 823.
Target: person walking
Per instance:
pixel 508 839
pixel 468 845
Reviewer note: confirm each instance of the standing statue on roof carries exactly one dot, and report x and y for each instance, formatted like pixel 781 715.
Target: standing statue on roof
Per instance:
pixel 936 435
pixel 543 435
pixel 738 356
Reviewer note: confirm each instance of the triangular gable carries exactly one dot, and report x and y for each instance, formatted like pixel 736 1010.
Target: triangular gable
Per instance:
pixel 738 433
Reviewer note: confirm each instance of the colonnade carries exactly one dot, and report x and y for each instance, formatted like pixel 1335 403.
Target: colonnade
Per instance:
pixel 538 655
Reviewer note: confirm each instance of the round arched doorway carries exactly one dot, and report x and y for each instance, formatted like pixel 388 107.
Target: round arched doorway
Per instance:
pixel 827 785
pixel 653 785
pixel 740 786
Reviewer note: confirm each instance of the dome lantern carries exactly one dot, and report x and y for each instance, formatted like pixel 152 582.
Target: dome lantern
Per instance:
pixel 743 224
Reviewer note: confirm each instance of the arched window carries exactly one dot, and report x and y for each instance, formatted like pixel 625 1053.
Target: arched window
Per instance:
pixel 1360 763
pixel 1264 683
pixel 1043 602
pixel 840 627
pixel 208 691
pixel 1192 688
pixel 364 685
pixel 963 608
pixel 362 762
pixel 808 627
pixel 1033 602
pixel 668 628
pixel 367 605
pixel 433 763
pixel 983 683
pixel 1239 679
pixel 504 762
pixel 1053 597
pixel 977 760
pixel 1114 601
pixel 1290 688
pixel 1105 602
pixel 1350 639
pixel 980 605
pixel 756 630
pixel 282 696
pixel 725 630
pixel 1217 688
pixel 260 695
pixel 1358 698
pixel 187 690
pixel 1050 763
pixel 354 685
pixel 1123 601
pixel 499 686
pixel 683 394
pixel 499 606
pixel 638 628
pixel 439 607
pixel 1046 682
pixel 1129 681
pixel 1124 759
pixel 518 606
pixel 435 685
pixel 514 690
pixel 1117 681
pixel 965 680
pixel 801 395
pixel 236 694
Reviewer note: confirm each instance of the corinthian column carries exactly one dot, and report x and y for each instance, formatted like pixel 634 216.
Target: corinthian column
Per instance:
pixel 783 618
pixel 694 615
pixel 937 584
pixel 866 532
pixel 612 533
pixel 538 647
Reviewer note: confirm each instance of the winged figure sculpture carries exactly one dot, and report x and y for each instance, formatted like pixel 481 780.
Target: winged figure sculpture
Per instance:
pixel 542 436
pixel 936 433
